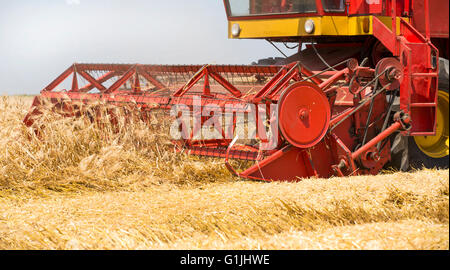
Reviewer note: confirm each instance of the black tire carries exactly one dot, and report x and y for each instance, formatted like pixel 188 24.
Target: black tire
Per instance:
pixel 405 153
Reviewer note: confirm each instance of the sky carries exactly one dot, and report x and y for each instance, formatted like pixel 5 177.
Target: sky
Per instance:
pixel 39 39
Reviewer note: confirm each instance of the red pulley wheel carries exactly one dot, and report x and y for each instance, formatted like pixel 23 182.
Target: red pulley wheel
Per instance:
pixel 304 114
pixel 392 72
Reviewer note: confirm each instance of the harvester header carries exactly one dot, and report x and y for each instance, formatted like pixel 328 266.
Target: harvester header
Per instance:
pixel 366 88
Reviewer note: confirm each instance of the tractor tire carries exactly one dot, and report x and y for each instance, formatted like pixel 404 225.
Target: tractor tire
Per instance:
pixel 406 152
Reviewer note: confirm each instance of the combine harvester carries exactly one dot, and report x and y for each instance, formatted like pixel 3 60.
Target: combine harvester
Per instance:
pixel 368 87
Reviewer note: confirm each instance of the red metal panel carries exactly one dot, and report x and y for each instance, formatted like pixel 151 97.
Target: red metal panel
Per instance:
pixel 362 7
pixel 384 35
pixel 438 14
pixel 288 164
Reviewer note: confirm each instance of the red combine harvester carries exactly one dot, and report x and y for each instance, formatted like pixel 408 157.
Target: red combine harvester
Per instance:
pixel 367 88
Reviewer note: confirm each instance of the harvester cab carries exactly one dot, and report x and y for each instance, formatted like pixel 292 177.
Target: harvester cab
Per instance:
pixel 366 88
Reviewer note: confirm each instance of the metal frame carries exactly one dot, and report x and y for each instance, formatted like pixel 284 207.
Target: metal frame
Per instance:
pixel 215 85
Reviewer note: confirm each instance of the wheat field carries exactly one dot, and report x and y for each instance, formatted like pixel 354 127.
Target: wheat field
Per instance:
pixel 91 186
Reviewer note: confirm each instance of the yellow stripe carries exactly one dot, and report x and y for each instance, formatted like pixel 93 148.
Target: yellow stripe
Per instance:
pixel 292 27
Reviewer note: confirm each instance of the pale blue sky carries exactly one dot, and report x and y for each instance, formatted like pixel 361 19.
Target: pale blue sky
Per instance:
pixel 40 38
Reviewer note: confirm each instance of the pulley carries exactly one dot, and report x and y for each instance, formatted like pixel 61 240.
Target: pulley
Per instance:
pixel 303 114
pixel 391 71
